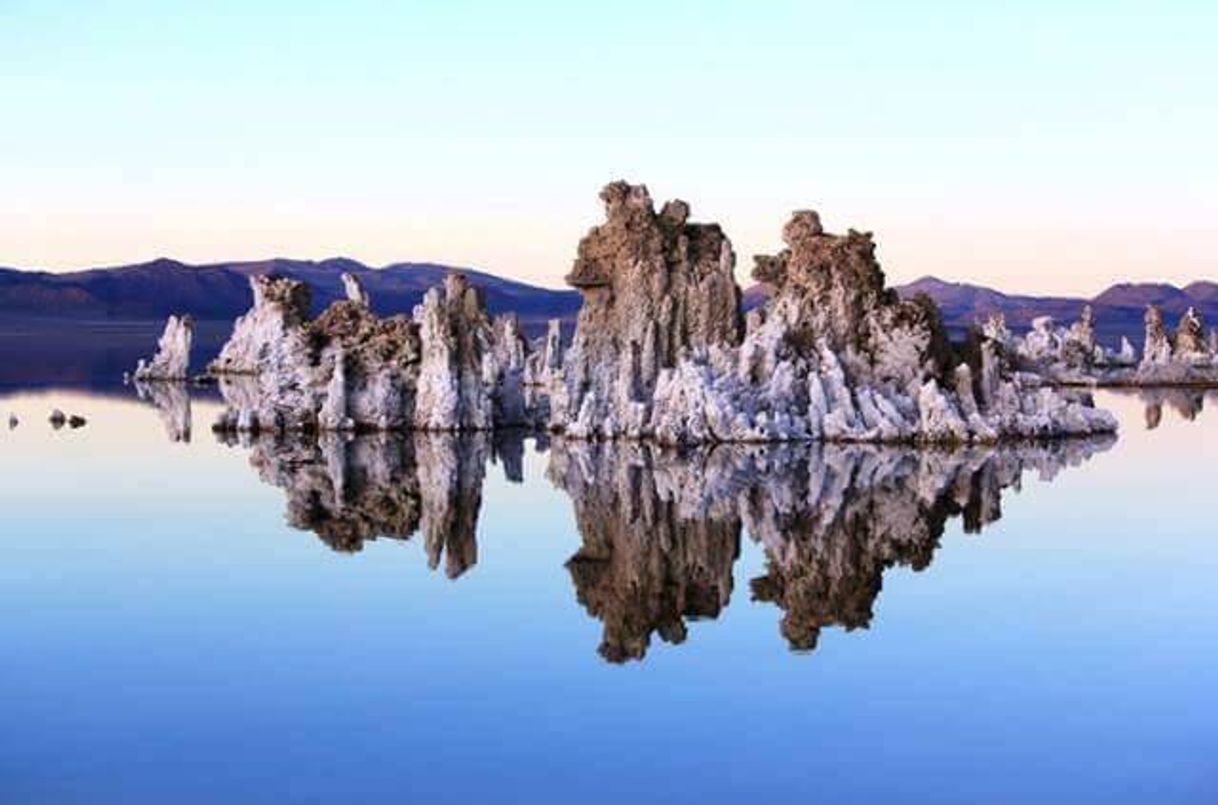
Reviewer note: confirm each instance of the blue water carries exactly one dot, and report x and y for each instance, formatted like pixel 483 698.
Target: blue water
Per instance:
pixel 172 638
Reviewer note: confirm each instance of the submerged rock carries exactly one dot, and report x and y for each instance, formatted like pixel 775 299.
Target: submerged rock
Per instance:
pixel 172 358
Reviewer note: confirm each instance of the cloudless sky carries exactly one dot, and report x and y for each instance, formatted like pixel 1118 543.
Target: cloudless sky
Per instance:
pixel 1037 146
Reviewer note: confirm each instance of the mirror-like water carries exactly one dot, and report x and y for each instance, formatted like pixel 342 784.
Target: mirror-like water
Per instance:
pixel 509 618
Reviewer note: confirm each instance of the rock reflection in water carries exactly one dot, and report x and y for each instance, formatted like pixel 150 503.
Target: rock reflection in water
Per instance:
pixel 1188 403
pixel 646 564
pixel 350 489
pixel 661 529
pixel 172 401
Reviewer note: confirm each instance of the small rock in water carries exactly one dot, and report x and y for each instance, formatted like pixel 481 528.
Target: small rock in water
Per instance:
pixel 57 419
pixel 12 421
pixel 76 421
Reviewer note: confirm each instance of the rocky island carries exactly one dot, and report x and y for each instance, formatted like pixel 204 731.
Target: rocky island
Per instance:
pixel 661 352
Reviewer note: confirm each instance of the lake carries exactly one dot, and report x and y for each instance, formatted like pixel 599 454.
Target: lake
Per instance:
pixel 513 619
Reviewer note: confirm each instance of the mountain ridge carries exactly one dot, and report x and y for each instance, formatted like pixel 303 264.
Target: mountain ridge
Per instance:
pixel 1118 309
pixel 207 291
pixel 220 291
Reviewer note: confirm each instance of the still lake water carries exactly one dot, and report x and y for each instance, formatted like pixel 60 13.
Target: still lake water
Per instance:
pixel 193 621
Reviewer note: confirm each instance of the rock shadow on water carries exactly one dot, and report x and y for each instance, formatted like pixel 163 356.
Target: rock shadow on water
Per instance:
pixel 661 529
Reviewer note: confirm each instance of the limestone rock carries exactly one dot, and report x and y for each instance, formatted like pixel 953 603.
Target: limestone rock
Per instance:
pixel 172 358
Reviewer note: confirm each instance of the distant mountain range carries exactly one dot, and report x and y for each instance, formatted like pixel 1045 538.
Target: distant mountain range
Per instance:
pixel 1118 311
pixel 220 291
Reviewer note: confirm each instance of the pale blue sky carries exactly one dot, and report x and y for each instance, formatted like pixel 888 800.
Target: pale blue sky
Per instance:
pixel 1033 146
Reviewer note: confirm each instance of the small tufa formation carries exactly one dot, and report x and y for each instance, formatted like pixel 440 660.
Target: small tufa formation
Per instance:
pixel 1074 348
pixel 1185 358
pixel 1073 357
pixel 172 358
pixel 1190 343
pixel 354 290
pixel 346 369
pixel 446 368
pixel 1156 349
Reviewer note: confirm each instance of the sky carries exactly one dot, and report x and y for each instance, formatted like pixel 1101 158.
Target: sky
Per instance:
pixel 1031 146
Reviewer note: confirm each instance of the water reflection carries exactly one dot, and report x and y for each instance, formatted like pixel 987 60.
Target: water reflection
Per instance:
pixel 660 530
pixel 172 402
pixel 348 490
pixel 1188 403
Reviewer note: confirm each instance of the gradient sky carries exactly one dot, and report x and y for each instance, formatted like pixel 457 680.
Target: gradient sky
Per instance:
pixel 1032 146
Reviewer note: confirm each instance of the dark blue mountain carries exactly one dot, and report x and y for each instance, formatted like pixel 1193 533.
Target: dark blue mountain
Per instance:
pixel 156 289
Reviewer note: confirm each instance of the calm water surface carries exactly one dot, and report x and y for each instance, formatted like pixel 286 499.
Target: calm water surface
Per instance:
pixel 503 620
